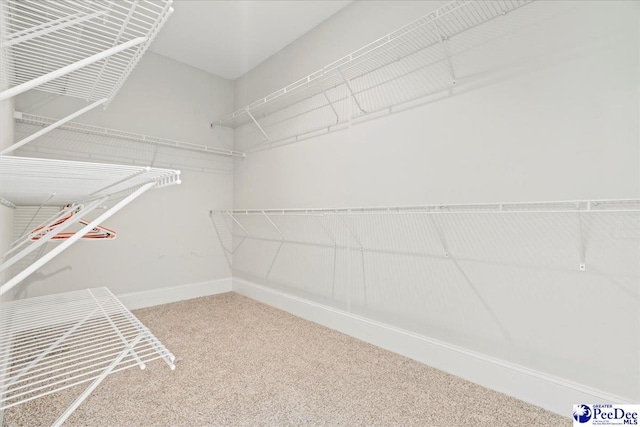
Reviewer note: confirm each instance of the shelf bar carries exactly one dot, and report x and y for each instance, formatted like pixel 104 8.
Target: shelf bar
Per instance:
pixel 258 124
pixel 353 95
pixel 329 102
pixel 28 118
pixel 565 206
pixel 64 245
pixel 9 93
pixel 51 127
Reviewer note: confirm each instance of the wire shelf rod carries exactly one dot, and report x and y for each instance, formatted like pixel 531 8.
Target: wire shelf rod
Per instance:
pixel 52 126
pixel 601 205
pixel 131 136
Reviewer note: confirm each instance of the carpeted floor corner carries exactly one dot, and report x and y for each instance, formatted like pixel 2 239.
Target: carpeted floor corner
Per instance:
pixel 242 363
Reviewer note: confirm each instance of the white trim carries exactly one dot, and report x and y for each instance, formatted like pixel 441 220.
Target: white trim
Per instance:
pixel 142 299
pixel 552 393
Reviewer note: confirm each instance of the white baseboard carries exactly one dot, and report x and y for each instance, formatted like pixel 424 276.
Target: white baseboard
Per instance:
pixel 167 295
pixel 552 393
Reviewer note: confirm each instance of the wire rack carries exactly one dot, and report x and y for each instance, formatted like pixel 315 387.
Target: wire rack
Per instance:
pixel 30 181
pixel 44 38
pixel 51 343
pixel 80 188
pixel 612 205
pixel 36 120
pixel 402 66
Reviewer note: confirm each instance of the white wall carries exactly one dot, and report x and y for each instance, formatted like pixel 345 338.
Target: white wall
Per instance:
pixel 546 108
pixel 165 238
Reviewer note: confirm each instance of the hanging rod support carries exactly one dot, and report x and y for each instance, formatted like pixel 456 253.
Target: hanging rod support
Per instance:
pixel 51 127
pixel 258 124
pixel 16 90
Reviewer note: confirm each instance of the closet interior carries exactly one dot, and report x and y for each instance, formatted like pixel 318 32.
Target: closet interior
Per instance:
pixel 463 191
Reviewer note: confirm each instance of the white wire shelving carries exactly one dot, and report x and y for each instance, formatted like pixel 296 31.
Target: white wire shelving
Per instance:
pixel 579 206
pixel 81 49
pixel 51 343
pixel 79 188
pixel 120 134
pixel 405 65
pixel 233 224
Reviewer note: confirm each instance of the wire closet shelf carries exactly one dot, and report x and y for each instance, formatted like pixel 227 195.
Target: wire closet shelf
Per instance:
pixel 81 49
pixel 578 206
pixel 36 120
pixel 51 343
pixel 390 71
pixel 78 188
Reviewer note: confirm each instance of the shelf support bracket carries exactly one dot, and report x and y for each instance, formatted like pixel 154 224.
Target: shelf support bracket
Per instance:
pixel 246 233
pixel 440 234
pixel 329 102
pixel 77 236
pixel 353 95
pixel 282 240
pixel 16 90
pixel 335 254
pixel 444 49
pixel 582 242
pixel 49 128
pixel 357 239
pixel 259 127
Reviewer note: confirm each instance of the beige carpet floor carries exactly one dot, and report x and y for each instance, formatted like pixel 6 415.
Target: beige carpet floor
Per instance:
pixel 242 363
